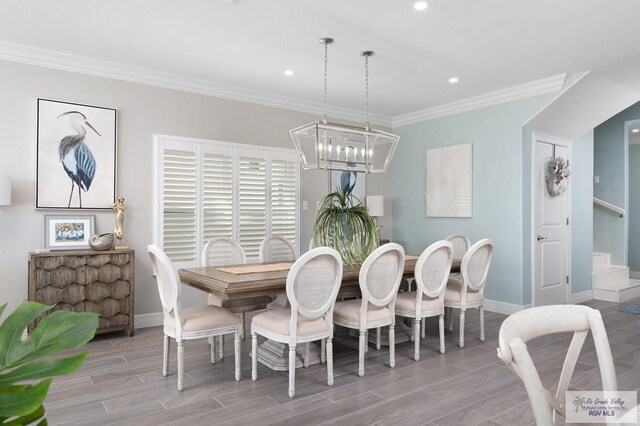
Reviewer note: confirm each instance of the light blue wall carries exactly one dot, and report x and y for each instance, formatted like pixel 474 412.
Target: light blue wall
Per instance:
pixel 496 134
pixel 610 163
pixel 581 202
pixel 634 207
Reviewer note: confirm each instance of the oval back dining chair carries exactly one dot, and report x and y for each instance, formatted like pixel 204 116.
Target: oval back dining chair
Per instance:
pixel 468 292
pixel 461 244
pixel 275 248
pixel 431 276
pixel 189 323
pixel 312 287
pixel 531 323
pixel 380 277
pixel 223 251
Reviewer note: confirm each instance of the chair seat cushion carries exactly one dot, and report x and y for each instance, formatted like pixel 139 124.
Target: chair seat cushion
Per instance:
pixel 452 292
pixel 349 312
pixel 277 322
pixel 406 302
pixel 202 318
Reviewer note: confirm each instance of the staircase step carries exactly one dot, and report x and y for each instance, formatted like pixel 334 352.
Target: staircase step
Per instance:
pixel 613 275
pixel 620 292
pixel 601 261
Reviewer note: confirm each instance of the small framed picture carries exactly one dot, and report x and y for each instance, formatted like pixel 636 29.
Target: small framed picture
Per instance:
pixel 68 232
pixel 359 180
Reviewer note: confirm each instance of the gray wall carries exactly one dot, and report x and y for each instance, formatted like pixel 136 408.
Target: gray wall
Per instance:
pixel 496 134
pixel 142 111
pixel 634 207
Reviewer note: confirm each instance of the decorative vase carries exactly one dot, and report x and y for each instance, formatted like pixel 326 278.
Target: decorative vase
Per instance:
pixel 102 242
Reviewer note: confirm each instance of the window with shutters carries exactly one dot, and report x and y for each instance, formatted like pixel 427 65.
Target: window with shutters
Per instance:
pixel 208 189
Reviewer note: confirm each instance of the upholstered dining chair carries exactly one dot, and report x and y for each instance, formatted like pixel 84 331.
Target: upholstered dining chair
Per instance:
pixel 461 244
pixel 275 248
pixel 431 276
pixel 467 291
pixel 225 251
pixel 380 277
pixel 528 324
pixel 190 323
pixel 312 287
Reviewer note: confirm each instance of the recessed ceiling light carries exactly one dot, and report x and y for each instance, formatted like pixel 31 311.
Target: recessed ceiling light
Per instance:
pixel 288 73
pixel 453 80
pixel 420 5
pixel 635 130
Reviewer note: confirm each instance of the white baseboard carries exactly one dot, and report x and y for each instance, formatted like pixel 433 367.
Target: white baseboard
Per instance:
pixel 149 320
pixel 583 296
pixel 634 275
pixel 502 307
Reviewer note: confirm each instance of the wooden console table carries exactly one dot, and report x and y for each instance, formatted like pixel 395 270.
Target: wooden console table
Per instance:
pixel 86 281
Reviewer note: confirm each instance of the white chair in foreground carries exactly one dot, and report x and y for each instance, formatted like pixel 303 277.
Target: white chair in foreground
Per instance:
pixel 222 251
pixel 191 323
pixel 275 248
pixel 312 286
pixel 526 325
pixel 431 276
pixel 468 292
pixel 380 277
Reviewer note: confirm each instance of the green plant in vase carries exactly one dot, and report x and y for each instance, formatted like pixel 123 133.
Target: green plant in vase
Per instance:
pixel 26 366
pixel 343 223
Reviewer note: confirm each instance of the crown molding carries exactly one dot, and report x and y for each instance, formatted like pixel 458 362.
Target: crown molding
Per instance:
pixel 522 91
pixel 100 68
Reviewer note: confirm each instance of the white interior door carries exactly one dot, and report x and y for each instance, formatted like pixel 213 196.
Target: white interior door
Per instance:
pixel 551 228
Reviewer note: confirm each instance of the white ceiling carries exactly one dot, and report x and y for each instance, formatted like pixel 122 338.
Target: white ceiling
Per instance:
pixel 489 45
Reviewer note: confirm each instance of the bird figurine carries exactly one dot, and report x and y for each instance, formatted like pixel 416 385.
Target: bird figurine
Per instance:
pixel 76 157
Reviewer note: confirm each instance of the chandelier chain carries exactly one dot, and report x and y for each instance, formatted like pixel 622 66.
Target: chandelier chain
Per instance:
pixel 366 89
pixel 326 62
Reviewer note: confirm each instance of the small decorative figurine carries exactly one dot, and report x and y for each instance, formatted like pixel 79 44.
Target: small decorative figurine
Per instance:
pixel 119 208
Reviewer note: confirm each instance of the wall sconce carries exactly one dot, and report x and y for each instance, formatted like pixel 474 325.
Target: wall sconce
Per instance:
pixel 5 190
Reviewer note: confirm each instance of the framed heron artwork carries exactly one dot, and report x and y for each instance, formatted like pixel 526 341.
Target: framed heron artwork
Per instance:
pixel 357 182
pixel 76 156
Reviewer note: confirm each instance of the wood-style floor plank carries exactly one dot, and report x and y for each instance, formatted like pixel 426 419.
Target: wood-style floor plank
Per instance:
pixel 122 383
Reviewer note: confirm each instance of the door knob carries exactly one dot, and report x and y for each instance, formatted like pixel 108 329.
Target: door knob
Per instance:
pixel 540 238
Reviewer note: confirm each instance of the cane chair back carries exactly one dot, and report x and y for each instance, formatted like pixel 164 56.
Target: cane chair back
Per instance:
pixel 381 273
pixel 169 285
pixel 530 323
pixel 275 248
pixel 222 251
pixel 475 264
pixel 460 243
pixel 432 269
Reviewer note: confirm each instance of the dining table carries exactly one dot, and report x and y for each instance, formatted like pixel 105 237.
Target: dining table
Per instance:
pixel 233 283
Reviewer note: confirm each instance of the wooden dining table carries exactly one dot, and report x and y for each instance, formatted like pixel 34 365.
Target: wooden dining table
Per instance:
pixel 232 283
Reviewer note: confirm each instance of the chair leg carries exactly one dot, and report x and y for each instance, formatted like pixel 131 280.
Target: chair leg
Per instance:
pixel 329 361
pixel 378 338
pixel 423 328
pixel 366 342
pixel 212 349
pixel 413 326
pixel 392 345
pixel 242 325
pixel 221 346
pixel 180 365
pixel 165 357
pixel 450 318
pixel 254 356
pixel 461 328
pixel 323 351
pixel 441 327
pixel 306 355
pixel 416 339
pixel 236 353
pixel 482 323
pixel 292 371
pixel 361 349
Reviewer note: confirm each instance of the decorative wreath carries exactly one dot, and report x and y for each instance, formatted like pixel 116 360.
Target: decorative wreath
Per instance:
pixel 557 176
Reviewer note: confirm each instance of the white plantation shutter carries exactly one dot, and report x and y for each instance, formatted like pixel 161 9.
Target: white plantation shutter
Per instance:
pixel 252 202
pixel 179 201
pixel 284 201
pixel 209 189
pixel 217 194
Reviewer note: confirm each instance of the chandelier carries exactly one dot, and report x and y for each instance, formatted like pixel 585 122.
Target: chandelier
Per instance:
pixel 330 146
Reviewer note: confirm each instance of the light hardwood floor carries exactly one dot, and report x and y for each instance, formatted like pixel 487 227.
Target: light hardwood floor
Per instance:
pixel 121 382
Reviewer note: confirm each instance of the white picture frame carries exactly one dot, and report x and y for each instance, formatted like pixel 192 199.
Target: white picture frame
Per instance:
pixel 68 232
pixel 449 181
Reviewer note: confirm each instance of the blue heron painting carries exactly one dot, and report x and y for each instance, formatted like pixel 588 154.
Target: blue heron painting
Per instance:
pixel 76 157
